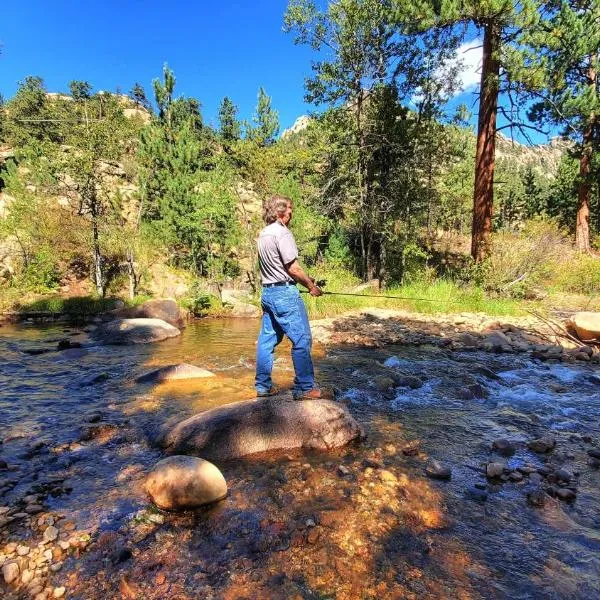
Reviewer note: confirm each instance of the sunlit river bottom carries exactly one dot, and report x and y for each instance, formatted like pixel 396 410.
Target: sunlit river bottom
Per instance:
pixel 362 522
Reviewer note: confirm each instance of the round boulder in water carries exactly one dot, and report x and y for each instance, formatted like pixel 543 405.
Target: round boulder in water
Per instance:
pixel 183 482
pixel 174 373
pixel 134 331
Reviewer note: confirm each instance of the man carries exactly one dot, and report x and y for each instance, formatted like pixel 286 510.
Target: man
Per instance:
pixel 284 312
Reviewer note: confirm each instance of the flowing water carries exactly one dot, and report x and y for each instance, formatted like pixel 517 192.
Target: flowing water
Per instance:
pixel 362 522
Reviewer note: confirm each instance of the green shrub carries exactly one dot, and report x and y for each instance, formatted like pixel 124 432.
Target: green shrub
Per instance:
pixel 41 274
pixel 580 275
pixel 199 302
pixel 520 263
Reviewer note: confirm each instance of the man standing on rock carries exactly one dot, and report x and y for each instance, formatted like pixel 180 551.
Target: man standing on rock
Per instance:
pixel 284 312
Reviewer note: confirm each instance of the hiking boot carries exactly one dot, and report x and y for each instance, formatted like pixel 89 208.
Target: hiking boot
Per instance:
pixel 316 394
pixel 272 392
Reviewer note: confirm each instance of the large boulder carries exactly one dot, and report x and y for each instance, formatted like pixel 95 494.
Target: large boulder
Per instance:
pixel 173 373
pixel 239 301
pixel 266 424
pixel 586 325
pixel 165 309
pixel 181 482
pixel 134 331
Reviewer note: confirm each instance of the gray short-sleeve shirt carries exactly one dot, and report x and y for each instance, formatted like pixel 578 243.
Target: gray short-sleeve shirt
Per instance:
pixel 276 248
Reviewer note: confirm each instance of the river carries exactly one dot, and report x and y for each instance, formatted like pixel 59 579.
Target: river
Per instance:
pixel 362 522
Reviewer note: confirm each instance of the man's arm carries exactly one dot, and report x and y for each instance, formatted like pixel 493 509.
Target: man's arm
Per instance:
pixel 296 272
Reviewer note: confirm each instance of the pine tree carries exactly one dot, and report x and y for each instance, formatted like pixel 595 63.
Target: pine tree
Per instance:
pixel 266 121
pixel 501 22
pixel 229 126
pixel 566 45
pixel 138 95
pixel 80 90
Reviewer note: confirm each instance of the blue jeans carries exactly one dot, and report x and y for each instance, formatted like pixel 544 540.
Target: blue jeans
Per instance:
pixel 284 313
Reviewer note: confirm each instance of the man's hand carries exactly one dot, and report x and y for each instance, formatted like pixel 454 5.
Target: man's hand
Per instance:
pixel 296 272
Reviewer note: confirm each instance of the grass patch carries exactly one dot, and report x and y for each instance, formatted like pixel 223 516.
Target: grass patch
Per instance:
pixel 430 298
pixel 80 305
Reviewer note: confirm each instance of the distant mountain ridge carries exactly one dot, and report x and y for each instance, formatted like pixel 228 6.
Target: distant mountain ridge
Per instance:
pixel 544 158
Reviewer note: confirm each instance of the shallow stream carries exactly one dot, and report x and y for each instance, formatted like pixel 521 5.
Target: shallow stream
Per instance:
pixel 363 522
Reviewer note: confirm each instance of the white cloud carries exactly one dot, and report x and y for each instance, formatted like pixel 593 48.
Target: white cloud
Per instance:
pixel 467 63
pixel 468 56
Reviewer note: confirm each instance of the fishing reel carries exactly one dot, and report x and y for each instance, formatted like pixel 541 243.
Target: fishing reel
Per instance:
pixel 321 283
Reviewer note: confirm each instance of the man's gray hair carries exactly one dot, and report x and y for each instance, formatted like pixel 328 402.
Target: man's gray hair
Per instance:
pixel 274 208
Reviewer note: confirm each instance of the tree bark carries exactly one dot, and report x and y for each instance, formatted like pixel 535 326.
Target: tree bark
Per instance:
pixel 582 227
pixel 483 197
pixel 96 249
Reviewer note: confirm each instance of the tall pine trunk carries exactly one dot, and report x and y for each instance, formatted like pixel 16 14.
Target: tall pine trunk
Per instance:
pixel 483 197
pixel 582 228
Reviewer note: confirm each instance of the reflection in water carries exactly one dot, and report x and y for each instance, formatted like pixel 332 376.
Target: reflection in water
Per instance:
pixel 298 525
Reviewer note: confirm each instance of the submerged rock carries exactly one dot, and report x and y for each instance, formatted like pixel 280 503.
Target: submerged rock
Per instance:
pixel 134 331
pixel 181 482
pixel 536 497
pixel 494 469
pixel 164 309
pixel 261 425
pixel 543 444
pixel 174 372
pixel 504 447
pixel 437 470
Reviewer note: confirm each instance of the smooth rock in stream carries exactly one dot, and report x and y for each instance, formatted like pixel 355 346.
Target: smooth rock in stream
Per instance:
pixel 182 482
pixel 494 469
pixel 536 497
pixel 134 331
pixel 543 444
pixel 504 447
pixel 437 470
pixel 163 309
pixel 173 373
pixel 265 424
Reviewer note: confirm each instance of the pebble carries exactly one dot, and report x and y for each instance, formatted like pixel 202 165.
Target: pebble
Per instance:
pixel 50 534
pixel 10 571
pixel 504 447
pixel 494 469
pixel 156 518
pixel 26 577
pixel 58 592
pixel 563 475
pixel 343 471
pixel 33 509
pixel 594 453
pixel 566 494
pixel 515 476
pixel 437 470
pixel 387 476
pixel 56 567
pixel 64 544
pixel 477 494
pixel 411 448
pixel 536 498
pixel 543 444
pixel 22 550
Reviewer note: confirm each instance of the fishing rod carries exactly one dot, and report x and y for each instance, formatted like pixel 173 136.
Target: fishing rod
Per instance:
pixel 322 283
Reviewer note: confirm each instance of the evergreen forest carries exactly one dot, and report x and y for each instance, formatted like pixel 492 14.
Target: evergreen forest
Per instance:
pixel 131 195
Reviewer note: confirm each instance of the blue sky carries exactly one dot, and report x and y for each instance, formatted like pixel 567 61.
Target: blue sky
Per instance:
pixel 215 49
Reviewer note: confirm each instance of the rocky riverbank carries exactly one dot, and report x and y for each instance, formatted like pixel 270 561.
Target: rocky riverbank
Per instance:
pixel 376 328
pixel 478 477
